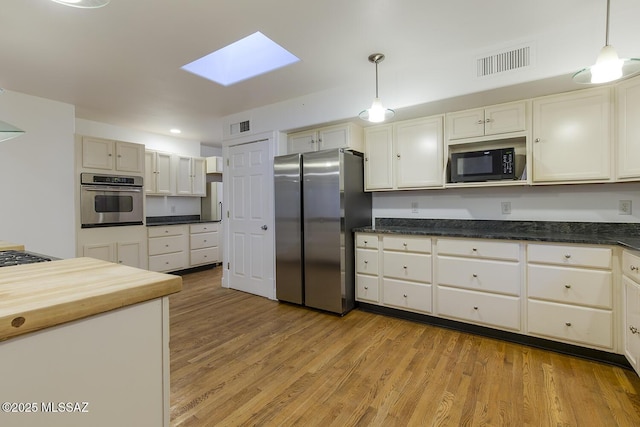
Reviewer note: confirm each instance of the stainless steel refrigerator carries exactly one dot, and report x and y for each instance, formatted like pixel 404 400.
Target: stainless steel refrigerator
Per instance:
pixel 319 200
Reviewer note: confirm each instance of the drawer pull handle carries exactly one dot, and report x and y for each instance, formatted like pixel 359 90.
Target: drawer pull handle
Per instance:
pixel 365 242
pixel 567 286
pixel 166 246
pixel 475 307
pixel 633 329
pixel 366 262
pixel 633 268
pixel 404 244
pixel 404 295
pixel 568 323
pixel 366 288
pixel 475 275
pixel 567 256
pixel 475 249
pixel 404 266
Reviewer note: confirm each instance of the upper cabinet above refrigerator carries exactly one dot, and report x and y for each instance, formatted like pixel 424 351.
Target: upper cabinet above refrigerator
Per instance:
pixel 214 164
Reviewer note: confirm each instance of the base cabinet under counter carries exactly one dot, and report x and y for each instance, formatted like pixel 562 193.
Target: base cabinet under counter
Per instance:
pixel 562 293
pixel 570 294
pixel 168 247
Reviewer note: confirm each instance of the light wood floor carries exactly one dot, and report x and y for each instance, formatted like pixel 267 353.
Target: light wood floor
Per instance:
pixel 243 360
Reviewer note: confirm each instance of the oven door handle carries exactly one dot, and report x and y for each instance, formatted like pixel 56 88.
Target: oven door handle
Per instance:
pixel 112 189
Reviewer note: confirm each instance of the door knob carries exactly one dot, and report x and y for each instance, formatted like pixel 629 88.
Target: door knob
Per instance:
pixel 264 227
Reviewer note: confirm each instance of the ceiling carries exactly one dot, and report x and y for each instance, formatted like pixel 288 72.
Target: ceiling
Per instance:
pixel 121 64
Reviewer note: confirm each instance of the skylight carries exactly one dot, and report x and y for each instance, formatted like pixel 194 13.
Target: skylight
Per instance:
pixel 249 57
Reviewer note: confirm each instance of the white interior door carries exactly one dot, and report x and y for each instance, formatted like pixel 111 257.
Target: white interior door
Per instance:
pixel 251 258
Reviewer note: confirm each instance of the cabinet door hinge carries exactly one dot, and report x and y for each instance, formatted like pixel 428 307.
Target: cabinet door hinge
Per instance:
pixel 228 265
pixel 227 214
pixel 227 162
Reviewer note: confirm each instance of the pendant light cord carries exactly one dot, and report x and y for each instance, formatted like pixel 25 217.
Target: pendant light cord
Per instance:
pixel 606 41
pixel 376 79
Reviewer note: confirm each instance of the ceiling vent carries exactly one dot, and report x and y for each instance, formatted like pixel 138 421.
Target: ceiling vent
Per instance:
pixel 500 62
pixel 240 128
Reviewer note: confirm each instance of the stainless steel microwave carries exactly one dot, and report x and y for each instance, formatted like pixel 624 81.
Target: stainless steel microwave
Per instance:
pixel 110 200
pixel 485 165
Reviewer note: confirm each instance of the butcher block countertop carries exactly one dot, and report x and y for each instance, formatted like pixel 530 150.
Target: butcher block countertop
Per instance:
pixel 8 246
pixel 41 295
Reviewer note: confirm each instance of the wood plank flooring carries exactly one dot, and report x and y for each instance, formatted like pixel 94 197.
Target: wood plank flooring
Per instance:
pixel 243 360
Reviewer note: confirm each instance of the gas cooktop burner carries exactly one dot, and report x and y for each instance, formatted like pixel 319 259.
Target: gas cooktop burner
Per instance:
pixel 8 258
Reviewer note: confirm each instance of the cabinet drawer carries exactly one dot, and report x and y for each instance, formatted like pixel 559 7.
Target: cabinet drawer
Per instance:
pixel 570 285
pixel 368 241
pixel 571 323
pixel 405 295
pixel 168 262
pixel 165 245
pixel 367 288
pixel 168 230
pixel 204 256
pixel 479 274
pixel 407 266
pixel 479 249
pixel 631 265
pixel 407 244
pixel 205 227
pixel 367 261
pixel 581 256
pixel 490 309
pixel 203 240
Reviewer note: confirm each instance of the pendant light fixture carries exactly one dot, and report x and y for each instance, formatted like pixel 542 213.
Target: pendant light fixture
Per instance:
pixel 84 4
pixel 377 113
pixel 608 66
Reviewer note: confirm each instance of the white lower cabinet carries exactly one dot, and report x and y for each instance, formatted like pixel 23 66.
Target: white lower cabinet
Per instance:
pixel 168 246
pixel 631 282
pixel 559 292
pixel 479 281
pixel 204 244
pixel 367 279
pixel 122 245
pixel 499 311
pixel 570 294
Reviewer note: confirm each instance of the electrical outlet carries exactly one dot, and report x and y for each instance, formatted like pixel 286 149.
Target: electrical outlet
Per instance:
pixel 506 208
pixel 414 207
pixel 624 207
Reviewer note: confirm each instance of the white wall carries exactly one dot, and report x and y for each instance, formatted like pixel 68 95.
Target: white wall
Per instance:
pixel 37 173
pixel 582 203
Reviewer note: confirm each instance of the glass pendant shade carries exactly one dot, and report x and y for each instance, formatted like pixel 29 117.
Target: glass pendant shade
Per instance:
pixel 84 4
pixel 377 113
pixel 8 131
pixel 608 67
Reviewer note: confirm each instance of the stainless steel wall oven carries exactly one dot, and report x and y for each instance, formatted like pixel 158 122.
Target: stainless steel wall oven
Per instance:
pixel 110 200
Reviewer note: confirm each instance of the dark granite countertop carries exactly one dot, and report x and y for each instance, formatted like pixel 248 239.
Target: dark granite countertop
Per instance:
pixel 176 220
pixel 623 234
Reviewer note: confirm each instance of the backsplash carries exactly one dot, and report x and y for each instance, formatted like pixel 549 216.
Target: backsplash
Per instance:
pixel 575 203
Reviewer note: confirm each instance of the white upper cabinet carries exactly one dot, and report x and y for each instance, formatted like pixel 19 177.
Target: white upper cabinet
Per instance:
pixel 572 137
pixel 493 120
pixel 419 146
pixel 346 135
pixel 404 155
pixel 190 176
pixel 157 173
pixel 378 158
pixel 108 155
pixel 628 112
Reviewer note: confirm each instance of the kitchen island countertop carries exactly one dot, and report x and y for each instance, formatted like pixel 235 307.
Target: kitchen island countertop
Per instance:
pixel 41 295
pixel 622 234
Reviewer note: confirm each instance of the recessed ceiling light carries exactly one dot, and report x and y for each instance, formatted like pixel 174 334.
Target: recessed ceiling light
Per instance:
pixel 249 57
pixel 176 131
pixel 85 4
